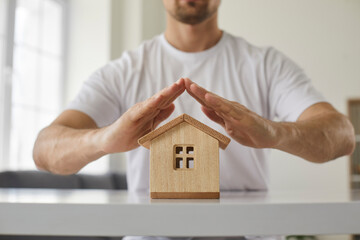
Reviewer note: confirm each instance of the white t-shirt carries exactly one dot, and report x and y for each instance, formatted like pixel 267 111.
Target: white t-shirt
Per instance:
pixel 261 79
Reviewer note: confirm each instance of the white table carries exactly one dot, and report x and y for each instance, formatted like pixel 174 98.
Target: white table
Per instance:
pixel 118 213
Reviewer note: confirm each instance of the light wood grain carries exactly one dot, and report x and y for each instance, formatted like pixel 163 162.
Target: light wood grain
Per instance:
pixel 204 177
pixel 185 195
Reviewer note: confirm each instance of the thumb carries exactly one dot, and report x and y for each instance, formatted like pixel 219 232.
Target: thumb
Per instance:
pixel 164 114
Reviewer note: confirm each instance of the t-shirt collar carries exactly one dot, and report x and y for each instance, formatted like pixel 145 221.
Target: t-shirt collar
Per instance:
pixel 192 56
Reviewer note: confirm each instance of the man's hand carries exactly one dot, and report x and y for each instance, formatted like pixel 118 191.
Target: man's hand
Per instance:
pixel 73 140
pixel 243 125
pixel 320 134
pixel 143 117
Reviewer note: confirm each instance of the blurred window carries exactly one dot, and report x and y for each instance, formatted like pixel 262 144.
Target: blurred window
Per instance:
pixel 37 51
pixel 3 35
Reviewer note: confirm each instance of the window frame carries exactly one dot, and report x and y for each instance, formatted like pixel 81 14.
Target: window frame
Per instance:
pixel 6 84
pixel 185 156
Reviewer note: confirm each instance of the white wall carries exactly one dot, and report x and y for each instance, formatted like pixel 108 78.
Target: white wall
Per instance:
pixel 134 21
pixel 126 26
pixel 88 41
pixel 323 37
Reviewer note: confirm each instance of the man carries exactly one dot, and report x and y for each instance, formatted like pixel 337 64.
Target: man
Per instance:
pixel 244 88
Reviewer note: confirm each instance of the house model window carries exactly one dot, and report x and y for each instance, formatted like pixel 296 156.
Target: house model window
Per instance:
pixel 184 157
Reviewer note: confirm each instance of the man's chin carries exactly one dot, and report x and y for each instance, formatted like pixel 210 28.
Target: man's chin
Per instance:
pixel 192 16
pixel 191 20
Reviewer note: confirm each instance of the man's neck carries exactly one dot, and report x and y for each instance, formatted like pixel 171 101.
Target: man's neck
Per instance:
pixel 193 38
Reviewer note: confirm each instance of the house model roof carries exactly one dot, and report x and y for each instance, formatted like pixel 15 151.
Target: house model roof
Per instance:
pixel 223 140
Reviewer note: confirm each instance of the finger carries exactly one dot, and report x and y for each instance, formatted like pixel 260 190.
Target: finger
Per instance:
pixel 213 116
pixel 171 93
pixel 222 106
pixel 164 114
pixel 195 91
pixel 149 107
pixel 145 108
pixel 180 82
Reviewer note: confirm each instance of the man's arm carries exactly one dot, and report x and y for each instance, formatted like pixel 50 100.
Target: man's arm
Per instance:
pixel 319 135
pixel 74 140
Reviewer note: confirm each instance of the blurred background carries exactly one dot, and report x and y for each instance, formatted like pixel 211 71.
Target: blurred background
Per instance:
pixel 49 47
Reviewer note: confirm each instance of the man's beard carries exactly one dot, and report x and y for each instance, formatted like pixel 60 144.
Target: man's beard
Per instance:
pixel 193 12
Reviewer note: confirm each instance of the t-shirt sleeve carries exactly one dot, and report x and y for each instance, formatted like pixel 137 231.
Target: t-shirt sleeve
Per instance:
pixel 99 97
pixel 290 90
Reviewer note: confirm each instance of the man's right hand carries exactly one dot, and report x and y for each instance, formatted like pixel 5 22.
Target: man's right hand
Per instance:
pixel 73 140
pixel 143 117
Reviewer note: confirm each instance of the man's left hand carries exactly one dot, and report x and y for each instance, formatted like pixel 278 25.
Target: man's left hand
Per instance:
pixel 243 125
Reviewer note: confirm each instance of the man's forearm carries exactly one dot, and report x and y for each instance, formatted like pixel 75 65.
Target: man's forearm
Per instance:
pixel 64 150
pixel 332 131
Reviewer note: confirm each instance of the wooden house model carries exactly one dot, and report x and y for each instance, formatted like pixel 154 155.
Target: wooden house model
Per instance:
pixel 184 159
